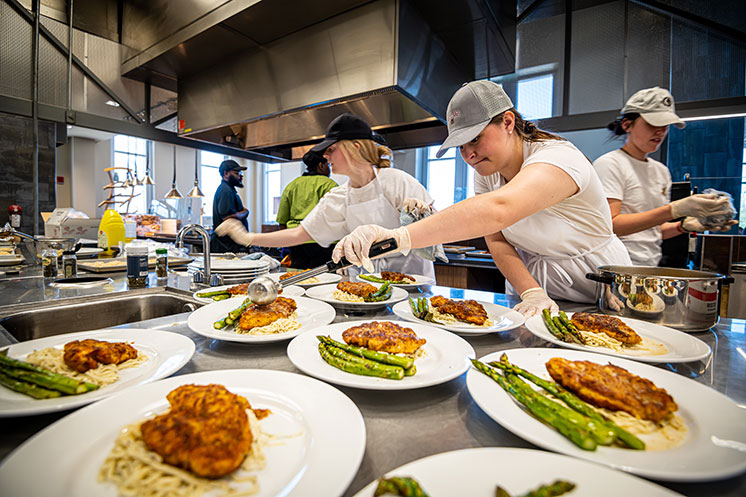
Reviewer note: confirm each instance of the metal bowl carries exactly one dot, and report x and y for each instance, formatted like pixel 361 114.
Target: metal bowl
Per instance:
pixel 690 302
pixel 42 243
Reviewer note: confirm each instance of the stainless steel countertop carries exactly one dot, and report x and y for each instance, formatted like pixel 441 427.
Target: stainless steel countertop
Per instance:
pixel 403 426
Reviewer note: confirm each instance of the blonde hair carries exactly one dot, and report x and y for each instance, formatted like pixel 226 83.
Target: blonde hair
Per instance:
pixel 367 151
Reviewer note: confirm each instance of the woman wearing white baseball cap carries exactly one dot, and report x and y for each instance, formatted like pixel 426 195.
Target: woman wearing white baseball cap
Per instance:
pixel 540 204
pixel 638 188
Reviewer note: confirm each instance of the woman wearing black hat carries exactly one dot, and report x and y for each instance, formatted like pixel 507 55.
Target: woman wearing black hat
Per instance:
pixel 298 200
pixel 375 193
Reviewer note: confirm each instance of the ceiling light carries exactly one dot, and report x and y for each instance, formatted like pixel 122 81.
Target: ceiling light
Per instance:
pixel 112 103
pixel 174 193
pixel 196 192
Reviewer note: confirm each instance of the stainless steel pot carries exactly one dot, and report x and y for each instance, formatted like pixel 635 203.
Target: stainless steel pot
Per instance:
pixel 680 298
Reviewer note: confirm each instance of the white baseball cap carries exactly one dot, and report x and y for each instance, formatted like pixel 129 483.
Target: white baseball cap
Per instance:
pixel 470 110
pixel 655 105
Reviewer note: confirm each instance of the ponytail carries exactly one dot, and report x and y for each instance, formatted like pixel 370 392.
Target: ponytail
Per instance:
pixel 526 129
pixel 616 126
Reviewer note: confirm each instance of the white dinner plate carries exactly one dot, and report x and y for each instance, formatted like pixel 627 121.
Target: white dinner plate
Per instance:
pixel 311 313
pixel 167 352
pixel 681 346
pixel 418 280
pixel 326 293
pixel 88 251
pixel 323 279
pixel 504 319
pixel 291 291
pixel 11 260
pixel 715 447
pixel 446 357
pixel 325 436
pixel 477 472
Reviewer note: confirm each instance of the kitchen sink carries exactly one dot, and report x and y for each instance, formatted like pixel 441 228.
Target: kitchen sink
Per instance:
pixel 43 319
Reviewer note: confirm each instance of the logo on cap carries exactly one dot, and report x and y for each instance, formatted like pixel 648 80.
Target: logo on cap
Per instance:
pixel 453 115
pixel 666 101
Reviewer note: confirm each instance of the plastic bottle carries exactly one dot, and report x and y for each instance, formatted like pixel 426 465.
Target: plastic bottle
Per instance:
pixel 110 232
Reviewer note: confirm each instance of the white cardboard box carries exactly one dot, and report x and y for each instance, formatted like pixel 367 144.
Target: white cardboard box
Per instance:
pixel 60 226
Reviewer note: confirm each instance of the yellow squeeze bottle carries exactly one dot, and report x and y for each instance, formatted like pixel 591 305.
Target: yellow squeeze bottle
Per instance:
pixel 110 232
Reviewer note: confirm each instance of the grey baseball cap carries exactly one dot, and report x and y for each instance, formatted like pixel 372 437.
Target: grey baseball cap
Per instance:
pixel 470 110
pixel 655 105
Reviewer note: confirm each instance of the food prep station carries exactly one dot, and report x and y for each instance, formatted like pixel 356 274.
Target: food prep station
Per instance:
pixel 400 426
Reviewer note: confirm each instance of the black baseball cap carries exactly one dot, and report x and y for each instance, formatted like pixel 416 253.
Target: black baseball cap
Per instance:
pixel 230 165
pixel 344 127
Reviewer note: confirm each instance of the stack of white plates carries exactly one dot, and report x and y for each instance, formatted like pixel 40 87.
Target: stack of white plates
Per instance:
pixel 233 271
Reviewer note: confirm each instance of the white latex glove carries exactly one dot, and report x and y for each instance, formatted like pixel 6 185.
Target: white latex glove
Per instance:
pixel 535 300
pixel 416 206
pixel 699 206
pixel 355 247
pixel 692 224
pixel 234 229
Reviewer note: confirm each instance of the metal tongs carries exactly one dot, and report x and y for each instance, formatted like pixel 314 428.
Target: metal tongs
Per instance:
pixel 264 290
pixel 8 231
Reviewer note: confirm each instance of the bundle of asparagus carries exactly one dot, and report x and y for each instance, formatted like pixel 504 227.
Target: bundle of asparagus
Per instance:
pixel 232 316
pixel 216 295
pixel 421 309
pixel 366 362
pixel 574 419
pixel 383 293
pixel 37 382
pixel 399 485
pixel 561 327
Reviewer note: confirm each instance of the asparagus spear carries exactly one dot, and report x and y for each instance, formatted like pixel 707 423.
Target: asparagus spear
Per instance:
pixel 29 389
pixel 383 357
pixel 379 294
pixel 410 371
pixel 555 489
pixel 401 486
pixel 571 400
pixel 374 279
pixel 222 296
pixel 212 294
pixel 52 381
pixel 232 316
pixel 571 327
pixel 355 365
pixel 577 435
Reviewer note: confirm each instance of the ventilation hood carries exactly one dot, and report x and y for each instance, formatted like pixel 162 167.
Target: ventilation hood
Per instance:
pixel 283 72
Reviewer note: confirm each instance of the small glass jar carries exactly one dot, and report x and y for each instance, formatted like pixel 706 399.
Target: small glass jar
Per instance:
pixel 49 263
pixel 69 264
pixel 137 265
pixel 161 263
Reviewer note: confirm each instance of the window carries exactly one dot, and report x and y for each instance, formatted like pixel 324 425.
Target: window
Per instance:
pixel 272 192
pixel 130 154
pixel 209 180
pixel 448 179
pixel 742 209
pixel 534 97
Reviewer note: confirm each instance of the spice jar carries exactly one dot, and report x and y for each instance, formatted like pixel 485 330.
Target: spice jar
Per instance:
pixel 69 264
pixel 49 263
pixel 161 263
pixel 137 265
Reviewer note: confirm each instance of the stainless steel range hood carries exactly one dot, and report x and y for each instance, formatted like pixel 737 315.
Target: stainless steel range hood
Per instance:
pixel 395 63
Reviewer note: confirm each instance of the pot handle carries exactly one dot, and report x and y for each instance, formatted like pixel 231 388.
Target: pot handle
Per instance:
pixel 601 278
pixel 77 246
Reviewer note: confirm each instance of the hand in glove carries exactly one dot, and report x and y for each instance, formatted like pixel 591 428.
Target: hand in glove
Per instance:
pixel 416 206
pixel 692 224
pixel 233 228
pixel 535 300
pixel 700 206
pixel 355 247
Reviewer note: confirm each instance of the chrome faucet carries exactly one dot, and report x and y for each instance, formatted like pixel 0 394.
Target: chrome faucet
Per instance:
pixel 205 246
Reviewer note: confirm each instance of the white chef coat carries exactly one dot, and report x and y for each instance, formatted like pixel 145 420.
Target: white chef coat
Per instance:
pixel 641 186
pixel 379 202
pixel 562 243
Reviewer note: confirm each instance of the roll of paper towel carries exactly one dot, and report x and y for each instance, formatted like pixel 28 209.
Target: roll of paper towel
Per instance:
pixel 168 226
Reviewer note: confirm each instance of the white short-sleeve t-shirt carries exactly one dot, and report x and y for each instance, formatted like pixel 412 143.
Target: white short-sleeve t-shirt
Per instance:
pixel 577 224
pixel 641 186
pixel 326 222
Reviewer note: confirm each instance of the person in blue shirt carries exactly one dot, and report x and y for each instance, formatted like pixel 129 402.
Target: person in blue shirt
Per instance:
pixel 227 204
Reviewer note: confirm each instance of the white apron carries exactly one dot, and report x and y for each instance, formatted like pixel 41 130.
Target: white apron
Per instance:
pixel 563 277
pixel 381 212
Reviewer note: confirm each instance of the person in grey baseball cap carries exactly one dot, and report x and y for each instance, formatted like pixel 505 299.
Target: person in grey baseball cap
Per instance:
pixel 540 204
pixel 638 188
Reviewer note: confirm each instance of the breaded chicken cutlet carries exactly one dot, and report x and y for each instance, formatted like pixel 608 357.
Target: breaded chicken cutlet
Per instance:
pixel 206 431
pixel 394 276
pixel 262 315
pixel 82 355
pixel 469 311
pixel 356 288
pixel 601 323
pixel 613 388
pixel 384 336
